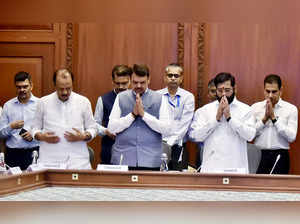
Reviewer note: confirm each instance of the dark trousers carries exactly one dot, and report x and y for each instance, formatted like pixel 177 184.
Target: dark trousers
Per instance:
pixel 21 157
pixel 106 146
pixel 174 164
pixel 268 159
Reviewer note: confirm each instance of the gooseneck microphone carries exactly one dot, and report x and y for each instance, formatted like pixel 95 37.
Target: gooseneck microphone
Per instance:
pixel 277 159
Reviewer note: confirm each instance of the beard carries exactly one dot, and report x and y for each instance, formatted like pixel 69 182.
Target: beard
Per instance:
pixel 229 98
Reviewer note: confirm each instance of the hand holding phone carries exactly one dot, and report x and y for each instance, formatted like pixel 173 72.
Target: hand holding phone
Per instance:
pixel 22 131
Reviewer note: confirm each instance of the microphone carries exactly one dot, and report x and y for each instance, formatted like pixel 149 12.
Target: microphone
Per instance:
pixel 164 162
pixel 35 156
pixel 277 159
pixel 121 159
pixel 2 163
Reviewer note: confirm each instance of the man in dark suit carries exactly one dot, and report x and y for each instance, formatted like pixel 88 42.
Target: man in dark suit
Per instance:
pixel 121 75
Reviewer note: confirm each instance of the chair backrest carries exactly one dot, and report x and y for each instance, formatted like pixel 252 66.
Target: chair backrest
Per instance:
pixel 91 154
pixel 254 156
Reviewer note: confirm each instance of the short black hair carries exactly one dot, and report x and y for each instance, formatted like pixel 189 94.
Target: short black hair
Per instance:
pixel 223 77
pixel 141 70
pixel 211 82
pixel 121 70
pixel 22 76
pixel 273 78
pixel 62 70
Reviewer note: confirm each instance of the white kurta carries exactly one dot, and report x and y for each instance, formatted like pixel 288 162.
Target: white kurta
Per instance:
pixel 53 115
pixel 225 143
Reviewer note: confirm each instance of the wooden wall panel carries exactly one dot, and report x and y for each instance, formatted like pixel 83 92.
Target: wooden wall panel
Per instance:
pixel 10 66
pixel 252 51
pixel 27 51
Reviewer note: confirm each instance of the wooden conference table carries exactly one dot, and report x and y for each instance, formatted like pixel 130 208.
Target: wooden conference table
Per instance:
pixel 175 196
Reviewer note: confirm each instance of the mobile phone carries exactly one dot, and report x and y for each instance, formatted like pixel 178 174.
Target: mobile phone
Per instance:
pixel 22 131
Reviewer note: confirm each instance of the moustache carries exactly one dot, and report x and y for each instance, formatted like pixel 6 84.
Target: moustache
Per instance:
pixel 120 90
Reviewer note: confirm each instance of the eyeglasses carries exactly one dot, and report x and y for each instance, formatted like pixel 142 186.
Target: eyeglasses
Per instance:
pixel 170 75
pixel 227 90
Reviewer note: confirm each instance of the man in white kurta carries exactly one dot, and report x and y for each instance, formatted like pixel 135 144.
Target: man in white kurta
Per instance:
pixel 225 126
pixel 64 123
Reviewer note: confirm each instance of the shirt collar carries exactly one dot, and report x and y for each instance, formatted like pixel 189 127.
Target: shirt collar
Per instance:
pixel 146 91
pixel 234 102
pixel 178 93
pixel 278 104
pixel 63 102
pixel 31 99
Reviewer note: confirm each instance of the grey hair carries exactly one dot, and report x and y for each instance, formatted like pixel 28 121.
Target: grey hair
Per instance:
pixel 174 65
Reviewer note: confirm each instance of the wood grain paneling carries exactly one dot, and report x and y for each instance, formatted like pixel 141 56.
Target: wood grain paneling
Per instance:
pixel 40 51
pixel 10 66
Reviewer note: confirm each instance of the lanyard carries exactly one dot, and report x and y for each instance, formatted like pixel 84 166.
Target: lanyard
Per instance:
pixel 171 103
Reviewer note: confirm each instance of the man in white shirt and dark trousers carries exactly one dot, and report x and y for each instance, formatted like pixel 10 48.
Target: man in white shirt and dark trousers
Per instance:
pixel 139 118
pixel 16 123
pixel 276 126
pixel 121 75
pixel 224 126
pixel 181 106
pixel 64 122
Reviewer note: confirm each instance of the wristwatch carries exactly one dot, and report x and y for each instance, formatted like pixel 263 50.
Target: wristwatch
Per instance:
pixel 87 136
pixel 133 115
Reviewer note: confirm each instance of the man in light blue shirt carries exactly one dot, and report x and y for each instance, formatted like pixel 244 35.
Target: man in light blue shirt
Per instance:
pixel 16 122
pixel 181 106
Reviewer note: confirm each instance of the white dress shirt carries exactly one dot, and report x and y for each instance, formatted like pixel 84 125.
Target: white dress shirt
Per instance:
pixel 181 110
pixel 98 115
pixel 282 132
pixel 54 115
pixel 225 143
pixel 117 123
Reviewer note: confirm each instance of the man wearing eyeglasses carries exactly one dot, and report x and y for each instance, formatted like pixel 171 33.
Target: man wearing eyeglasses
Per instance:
pixel 181 106
pixel 224 125
pixel 121 75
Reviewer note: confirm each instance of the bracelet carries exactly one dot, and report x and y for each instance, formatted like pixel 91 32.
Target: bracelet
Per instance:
pixel 134 116
pixel 228 119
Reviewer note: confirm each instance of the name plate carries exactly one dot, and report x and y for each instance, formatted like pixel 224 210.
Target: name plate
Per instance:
pixel 35 167
pixel 14 170
pixel 231 170
pixel 59 166
pixel 2 169
pixel 103 167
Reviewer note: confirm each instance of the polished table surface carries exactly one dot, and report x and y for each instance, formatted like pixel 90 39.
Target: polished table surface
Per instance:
pixel 148 195
pixel 147 186
pixel 90 196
